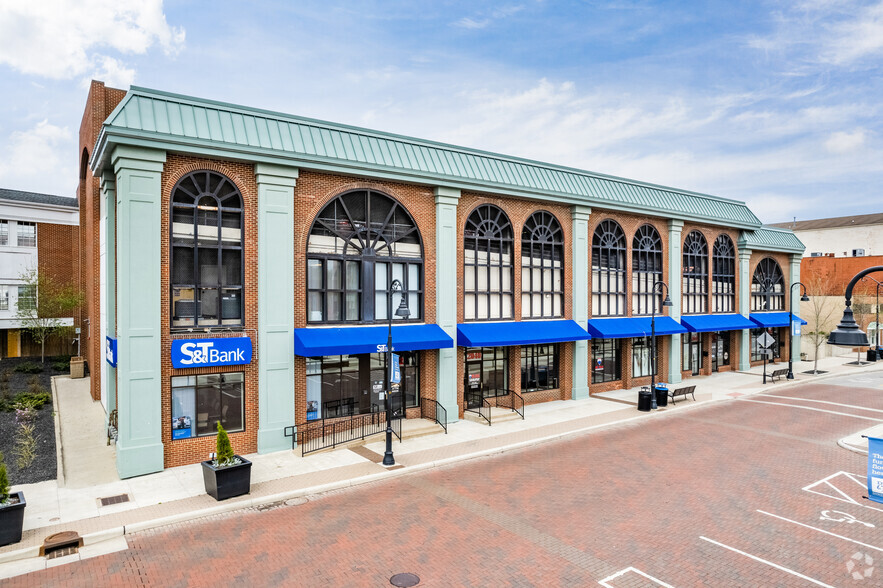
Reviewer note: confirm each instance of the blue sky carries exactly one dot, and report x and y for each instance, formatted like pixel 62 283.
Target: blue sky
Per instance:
pixel 777 104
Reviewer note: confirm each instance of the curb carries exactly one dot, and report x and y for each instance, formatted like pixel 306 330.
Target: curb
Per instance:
pixel 56 416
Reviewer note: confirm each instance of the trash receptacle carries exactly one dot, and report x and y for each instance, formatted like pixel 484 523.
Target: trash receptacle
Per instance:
pixel 872 355
pixel 645 399
pixel 661 395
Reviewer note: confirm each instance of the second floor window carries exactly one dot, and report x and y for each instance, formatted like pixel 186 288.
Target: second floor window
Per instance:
pixel 608 270
pixel 27 234
pixel 646 270
pixel 488 245
pixel 4 297
pixel 695 274
pixel 723 275
pixel 27 297
pixel 4 232
pixel 542 267
pixel 768 286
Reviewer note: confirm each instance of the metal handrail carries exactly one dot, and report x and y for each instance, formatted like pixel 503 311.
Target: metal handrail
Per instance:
pixel 439 413
pixel 484 407
pixel 515 402
pixel 324 433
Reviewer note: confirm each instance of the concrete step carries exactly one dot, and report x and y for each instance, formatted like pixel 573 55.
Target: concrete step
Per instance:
pixel 498 415
pixel 413 428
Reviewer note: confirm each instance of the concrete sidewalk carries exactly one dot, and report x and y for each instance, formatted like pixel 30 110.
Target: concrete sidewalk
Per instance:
pixel 178 494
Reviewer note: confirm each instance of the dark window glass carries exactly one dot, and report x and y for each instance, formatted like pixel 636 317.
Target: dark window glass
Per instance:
pixel 642 361
pixel 488 244
pixel 608 270
pixel 542 267
pixel 606 360
pixel 360 242
pixel 695 274
pixel 646 270
pixel 767 286
pixel 723 275
pixel 200 402
pixel 756 349
pixel 206 252
pixel 539 367
pixel 487 370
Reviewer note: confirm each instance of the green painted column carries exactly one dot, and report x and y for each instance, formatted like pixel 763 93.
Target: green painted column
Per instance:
pixel 580 298
pixel 744 306
pixel 275 312
pixel 108 284
pixel 446 240
pixel 139 445
pixel 675 244
pixel 795 303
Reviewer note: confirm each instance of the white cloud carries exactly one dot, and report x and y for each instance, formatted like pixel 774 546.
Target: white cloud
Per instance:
pixel 38 160
pixel 59 39
pixel 843 142
pixel 854 39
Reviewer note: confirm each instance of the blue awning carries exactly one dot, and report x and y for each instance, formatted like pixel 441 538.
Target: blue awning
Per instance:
pixel 626 327
pixel 773 319
pixel 519 333
pixel 315 342
pixel 703 323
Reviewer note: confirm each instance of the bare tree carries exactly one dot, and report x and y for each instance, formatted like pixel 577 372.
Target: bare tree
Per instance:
pixel 821 315
pixel 42 306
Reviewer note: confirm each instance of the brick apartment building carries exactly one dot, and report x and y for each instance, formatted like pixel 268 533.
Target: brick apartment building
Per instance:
pixel 238 267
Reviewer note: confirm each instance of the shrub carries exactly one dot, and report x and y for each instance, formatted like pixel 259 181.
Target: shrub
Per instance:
pixel 25 441
pixel 32 400
pixel 28 367
pixel 225 450
pixel 4 480
pixel 61 366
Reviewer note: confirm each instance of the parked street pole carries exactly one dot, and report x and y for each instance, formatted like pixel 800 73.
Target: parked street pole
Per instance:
pixel 665 302
pixel 403 312
pixel 803 298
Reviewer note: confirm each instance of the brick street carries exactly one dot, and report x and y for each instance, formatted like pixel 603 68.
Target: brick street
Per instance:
pixel 711 496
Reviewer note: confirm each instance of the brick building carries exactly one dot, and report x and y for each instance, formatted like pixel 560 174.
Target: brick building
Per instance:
pixel 37 232
pixel 241 265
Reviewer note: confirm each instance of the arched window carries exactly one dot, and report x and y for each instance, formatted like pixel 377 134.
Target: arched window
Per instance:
pixel 608 269
pixel 542 267
pixel 723 275
pixel 767 286
pixel 488 244
pixel 360 242
pixel 206 272
pixel 646 269
pixel 695 282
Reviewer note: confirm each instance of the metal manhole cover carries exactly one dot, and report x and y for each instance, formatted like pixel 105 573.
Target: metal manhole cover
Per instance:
pixel 118 499
pixel 404 580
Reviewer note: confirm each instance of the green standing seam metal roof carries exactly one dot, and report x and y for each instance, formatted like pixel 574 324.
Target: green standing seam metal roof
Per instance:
pixel 181 123
pixel 769 238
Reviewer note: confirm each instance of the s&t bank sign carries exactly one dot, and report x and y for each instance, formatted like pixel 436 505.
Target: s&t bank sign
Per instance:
pixel 190 353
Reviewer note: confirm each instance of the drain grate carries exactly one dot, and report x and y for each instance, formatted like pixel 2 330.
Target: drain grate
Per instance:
pixel 118 499
pixel 61 552
pixel 61 544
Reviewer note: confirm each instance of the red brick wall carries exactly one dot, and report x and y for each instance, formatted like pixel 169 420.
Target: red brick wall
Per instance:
pixel 829 276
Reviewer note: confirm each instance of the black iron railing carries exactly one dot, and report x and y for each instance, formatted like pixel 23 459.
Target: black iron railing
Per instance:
pixel 432 410
pixel 328 433
pixel 513 400
pixel 477 403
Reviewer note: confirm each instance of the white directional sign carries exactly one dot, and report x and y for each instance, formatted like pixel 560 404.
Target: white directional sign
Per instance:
pixel 765 340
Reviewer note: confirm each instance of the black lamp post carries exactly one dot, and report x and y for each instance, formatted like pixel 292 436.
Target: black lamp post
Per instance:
pixel 876 313
pixel 803 298
pixel 848 333
pixel 665 302
pixel 403 312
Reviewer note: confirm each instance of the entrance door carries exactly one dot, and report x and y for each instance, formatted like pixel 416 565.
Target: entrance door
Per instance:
pixel 695 357
pixel 472 389
pixel 716 348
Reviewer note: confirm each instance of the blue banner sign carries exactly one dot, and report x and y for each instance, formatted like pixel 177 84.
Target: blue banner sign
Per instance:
pixel 875 469
pixel 795 328
pixel 395 372
pixel 110 351
pixel 189 353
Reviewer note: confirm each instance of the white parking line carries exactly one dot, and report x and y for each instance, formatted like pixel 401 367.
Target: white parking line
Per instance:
pixel 637 571
pixel 769 563
pixel 821 531
pixel 843 496
pixel 820 402
pixel 855 416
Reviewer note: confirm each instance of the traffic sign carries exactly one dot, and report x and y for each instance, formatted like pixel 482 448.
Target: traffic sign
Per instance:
pixel 765 340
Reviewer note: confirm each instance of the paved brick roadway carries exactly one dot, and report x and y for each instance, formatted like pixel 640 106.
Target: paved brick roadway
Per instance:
pixel 672 497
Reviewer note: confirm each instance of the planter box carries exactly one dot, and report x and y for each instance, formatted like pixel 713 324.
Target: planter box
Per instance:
pixel 227 482
pixel 78 367
pixel 12 517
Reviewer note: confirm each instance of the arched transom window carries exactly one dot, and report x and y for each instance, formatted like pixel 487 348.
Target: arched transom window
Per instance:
pixel 723 275
pixel 542 267
pixel 646 269
pixel 360 242
pixel 488 244
pixel 608 270
pixel 206 273
pixel 767 286
pixel 695 272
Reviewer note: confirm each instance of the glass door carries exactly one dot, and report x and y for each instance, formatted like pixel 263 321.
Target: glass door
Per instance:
pixel 695 358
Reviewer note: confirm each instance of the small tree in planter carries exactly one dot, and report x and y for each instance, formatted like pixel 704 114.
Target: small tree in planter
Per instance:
pixel 12 510
pixel 227 475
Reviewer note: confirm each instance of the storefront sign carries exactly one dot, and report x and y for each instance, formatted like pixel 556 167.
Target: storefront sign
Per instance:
pixel 474 380
pixel 110 351
pixel 598 365
pixel 187 353
pixel 875 469
pixel 181 427
pixel 473 355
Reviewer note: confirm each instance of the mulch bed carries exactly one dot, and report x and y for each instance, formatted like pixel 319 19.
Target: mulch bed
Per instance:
pixel 44 466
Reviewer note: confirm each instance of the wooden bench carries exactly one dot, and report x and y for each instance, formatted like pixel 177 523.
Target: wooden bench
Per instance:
pixel 779 374
pixel 682 392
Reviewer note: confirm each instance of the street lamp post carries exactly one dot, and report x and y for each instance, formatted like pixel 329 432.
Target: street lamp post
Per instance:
pixel 847 333
pixel 803 298
pixel 665 302
pixel 403 312
pixel 876 313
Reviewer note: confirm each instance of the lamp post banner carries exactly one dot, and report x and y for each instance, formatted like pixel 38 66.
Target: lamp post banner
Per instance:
pixel 795 328
pixel 395 372
pixel 875 469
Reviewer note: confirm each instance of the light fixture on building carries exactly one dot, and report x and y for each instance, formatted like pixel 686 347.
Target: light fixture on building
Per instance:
pixel 848 333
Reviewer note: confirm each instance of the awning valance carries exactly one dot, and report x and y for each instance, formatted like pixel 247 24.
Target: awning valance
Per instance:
pixel 703 323
pixel 626 327
pixel 315 342
pixel 773 319
pixel 519 333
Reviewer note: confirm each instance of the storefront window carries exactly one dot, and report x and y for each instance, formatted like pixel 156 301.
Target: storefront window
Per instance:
pixel 690 360
pixel 487 370
pixel 487 272
pixel 539 367
pixel 646 269
pixel 756 349
pixel 200 402
pixel 642 362
pixel 608 270
pixel 606 360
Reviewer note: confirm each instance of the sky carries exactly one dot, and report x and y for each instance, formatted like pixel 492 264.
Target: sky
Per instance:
pixel 777 104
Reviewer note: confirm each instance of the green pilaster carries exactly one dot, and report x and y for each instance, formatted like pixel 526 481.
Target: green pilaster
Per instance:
pixel 275 312
pixel 744 306
pixel 580 298
pixel 446 239
pixel 108 282
pixel 675 244
pixel 139 445
pixel 795 302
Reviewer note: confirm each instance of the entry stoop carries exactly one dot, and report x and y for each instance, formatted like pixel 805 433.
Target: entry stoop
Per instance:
pixel 413 428
pixel 498 415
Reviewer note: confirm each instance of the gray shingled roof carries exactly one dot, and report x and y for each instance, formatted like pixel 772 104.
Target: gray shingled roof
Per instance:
pixel 855 220
pixel 34 197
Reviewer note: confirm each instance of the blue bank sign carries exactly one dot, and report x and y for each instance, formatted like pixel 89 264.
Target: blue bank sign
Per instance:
pixel 110 351
pixel 189 353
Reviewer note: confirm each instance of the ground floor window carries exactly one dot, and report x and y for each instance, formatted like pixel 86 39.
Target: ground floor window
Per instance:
pixel 539 367
pixel 487 371
pixel 606 360
pixel 346 385
pixel 756 349
pixel 200 402
pixel 690 360
pixel 720 349
pixel 642 362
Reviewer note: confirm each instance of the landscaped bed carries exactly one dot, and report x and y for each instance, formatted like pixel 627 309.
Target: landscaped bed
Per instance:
pixel 23 378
